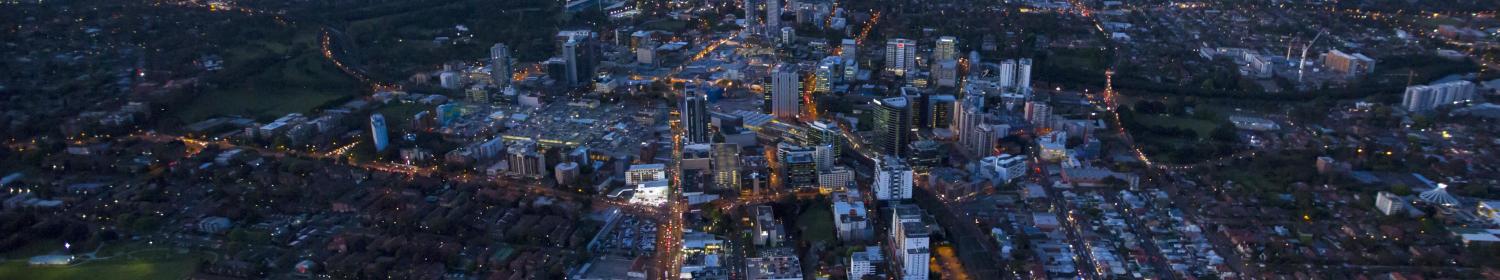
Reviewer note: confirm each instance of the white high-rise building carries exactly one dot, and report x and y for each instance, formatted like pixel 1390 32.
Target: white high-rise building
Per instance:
pixel 1422 98
pixel 946 49
pixel 1023 75
pixel 1007 73
pixel 892 179
pixel 945 73
pixel 786 92
pixel 900 56
pixel 849 216
pixel 909 243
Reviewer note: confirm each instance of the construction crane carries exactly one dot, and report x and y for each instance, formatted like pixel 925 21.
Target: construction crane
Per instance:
pixel 1303 63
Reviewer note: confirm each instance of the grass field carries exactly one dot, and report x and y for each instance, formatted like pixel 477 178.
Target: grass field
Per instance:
pixel 1204 128
pixel 141 262
pixel 271 77
pixel 817 223
pixel 398 116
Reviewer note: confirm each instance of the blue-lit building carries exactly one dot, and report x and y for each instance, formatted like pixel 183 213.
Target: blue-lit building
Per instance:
pixel 378 131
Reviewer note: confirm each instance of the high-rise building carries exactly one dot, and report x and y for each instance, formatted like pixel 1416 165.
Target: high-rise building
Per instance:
pixel 1422 98
pixel 566 173
pixel 892 123
pixel 969 125
pixel 750 15
pixel 909 243
pixel 925 155
pixel 849 49
pixel 850 216
pixel 945 73
pixel 694 112
pixel 1007 74
pixel 726 166
pixel 940 111
pixel 579 55
pixel 892 179
pixel 837 179
pixel 378 132
pixel 1037 113
pixel 500 67
pixel 1350 65
pixel 827 73
pixel 524 160
pixel 799 165
pixel 826 133
pixel 823 156
pixel 786 92
pixel 900 56
pixel 773 15
pixel 1023 75
pixel 788 35
pixel 571 60
pixel 945 49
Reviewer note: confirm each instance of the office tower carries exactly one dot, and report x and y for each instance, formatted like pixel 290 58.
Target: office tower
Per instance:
pixel 570 59
pixel 825 133
pixel 892 179
pixel 579 59
pixel 500 68
pixel 945 73
pixel 969 117
pixel 940 111
pixel 788 35
pixel 694 112
pixel 786 92
pixel 900 56
pixel 892 123
pixel 799 164
pixel 1023 75
pixel 750 16
pixel 1007 73
pixel 925 155
pixel 849 49
pixel 909 243
pixel 726 166
pixel 946 49
pixel 916 102
pixel 826 74
pixel 378 132
pixel 1422 98
pixel 1349 65
pixel 773 15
